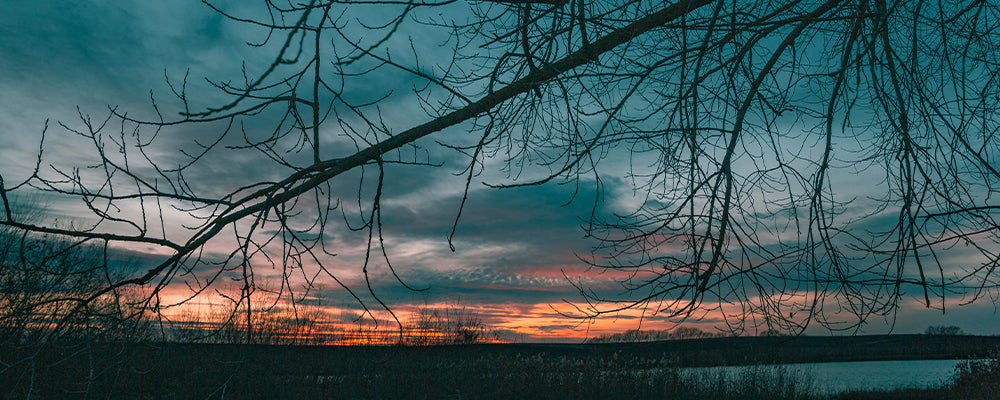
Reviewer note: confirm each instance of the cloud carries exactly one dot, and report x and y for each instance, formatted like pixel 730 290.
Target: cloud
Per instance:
pixel 532 216
pixel 512 246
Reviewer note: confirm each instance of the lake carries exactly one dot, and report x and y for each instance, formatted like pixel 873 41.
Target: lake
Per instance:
pixel 835 377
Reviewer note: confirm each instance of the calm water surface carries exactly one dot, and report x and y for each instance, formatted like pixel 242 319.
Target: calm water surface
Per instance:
pixel 835 377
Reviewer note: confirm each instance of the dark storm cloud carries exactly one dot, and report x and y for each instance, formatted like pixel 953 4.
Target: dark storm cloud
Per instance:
pixel 104 50
pixel 482 286
pixel 69 41
pixel 514 246
pixel 547 216
pixel 57 56
pixel 60 55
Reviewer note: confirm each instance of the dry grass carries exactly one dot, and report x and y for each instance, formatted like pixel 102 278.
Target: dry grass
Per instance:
pixel 218 371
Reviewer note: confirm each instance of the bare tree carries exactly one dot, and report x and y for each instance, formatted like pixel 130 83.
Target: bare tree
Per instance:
pixel 769 116
pixel 453 324
pixel 741 126
pixel 40 277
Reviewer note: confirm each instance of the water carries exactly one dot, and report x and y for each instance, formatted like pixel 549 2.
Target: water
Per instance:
pixel 835 377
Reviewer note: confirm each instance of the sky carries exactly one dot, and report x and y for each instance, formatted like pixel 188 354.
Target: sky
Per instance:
pixel 517 251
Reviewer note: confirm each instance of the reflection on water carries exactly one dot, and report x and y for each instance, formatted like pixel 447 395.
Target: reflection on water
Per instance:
pixel 835 377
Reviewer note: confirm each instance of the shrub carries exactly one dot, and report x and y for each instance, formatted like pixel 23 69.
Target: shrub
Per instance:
pixel 977 379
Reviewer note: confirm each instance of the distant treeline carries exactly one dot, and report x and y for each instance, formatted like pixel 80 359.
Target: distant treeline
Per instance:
pixel 637 335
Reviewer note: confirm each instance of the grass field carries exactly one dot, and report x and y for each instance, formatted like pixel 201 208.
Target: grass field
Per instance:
pixel 494 371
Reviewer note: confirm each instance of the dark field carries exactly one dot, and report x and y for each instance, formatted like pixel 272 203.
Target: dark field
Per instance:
pixel 485 371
